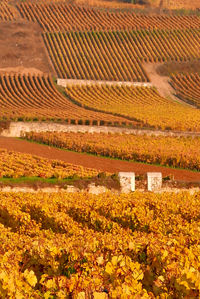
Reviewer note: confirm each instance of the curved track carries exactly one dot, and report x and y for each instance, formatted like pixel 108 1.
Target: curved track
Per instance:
pixel 99 163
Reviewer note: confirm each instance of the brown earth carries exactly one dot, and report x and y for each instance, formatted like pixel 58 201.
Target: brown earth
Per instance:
pixel 102 164
pixel 181 4
pixel 146 6
pixel 161 82
pixel 22 48
pixel 111 5
pixel 172 67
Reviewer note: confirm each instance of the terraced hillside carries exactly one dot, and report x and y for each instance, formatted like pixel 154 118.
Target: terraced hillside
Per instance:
pixel 64 17
pixel 117 55
pixel 81 246
pixel 35 97
pixel 89 44
pixel 141 103
pixel 26 97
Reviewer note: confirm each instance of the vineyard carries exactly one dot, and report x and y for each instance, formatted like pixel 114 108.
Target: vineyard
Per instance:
pixel 79 245
pixel 167 151
pixel 117 55
pixel 141 103
pixel 35 97
pixel 187 87
pixel 16 165
pixel 7 13
pixel 64 17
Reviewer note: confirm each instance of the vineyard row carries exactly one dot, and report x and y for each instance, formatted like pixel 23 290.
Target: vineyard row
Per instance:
pixel 187 87
pixel 61 17
pixel 142 103
pixel 118 55
pixel 35 97
pixel 16 165
pixel 7 12
pixel 167 151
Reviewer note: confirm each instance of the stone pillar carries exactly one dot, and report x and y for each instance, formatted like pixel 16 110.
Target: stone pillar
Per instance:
pixel 127 181
pixel 154 181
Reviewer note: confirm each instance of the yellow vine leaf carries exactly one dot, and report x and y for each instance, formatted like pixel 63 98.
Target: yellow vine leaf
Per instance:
pixel 81 295
pixel 109 268
pixel 30 277
pixel 98 295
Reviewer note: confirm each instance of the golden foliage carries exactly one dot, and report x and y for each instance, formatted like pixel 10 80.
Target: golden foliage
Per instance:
pixel 35 97
pixel 65 17
pixel 144 245
pixel 182 152
pixel 7 12
pixel 118 55
pixel 187 87
pixel 143 104
pixel 15 165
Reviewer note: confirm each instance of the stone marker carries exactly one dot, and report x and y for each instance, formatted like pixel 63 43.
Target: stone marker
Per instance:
pixel 127 181
pixel 154 181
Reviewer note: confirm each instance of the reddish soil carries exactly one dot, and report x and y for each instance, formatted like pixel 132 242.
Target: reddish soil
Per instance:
pixel 99 163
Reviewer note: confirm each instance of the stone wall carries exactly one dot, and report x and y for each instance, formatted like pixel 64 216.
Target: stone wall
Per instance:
pixel 154 181
pixel 16 129
pixel 65 82
pixel 90 189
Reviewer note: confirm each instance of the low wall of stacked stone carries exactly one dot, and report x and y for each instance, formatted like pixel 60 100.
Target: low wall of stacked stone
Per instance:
pixel 65 82
pixel 17 129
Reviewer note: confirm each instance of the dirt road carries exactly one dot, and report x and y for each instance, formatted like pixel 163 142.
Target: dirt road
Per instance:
pixel 103 164
pixel 162 83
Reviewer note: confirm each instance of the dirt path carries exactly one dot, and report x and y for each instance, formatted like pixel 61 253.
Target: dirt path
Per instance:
pixel 99 163
pixel 21 70
pixel 162 83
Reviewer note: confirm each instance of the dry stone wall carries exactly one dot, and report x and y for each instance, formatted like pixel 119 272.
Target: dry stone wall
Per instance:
pixel 154 181
pixel 97 190
pixel 17 129
pixel 65 82
pixel 127 181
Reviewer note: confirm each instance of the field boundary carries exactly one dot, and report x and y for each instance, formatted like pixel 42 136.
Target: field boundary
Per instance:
pixel 91 189
pixel 65 82
pixel 17 129
pixel 102 164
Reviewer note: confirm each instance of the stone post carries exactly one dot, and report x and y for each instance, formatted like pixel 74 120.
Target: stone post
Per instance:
pixel 154 181
pixel 127 181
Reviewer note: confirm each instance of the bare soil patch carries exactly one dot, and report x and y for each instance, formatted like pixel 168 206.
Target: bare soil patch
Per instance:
pixel 168 68
pixel 103 164
pixel 22 48
pixel 181 4
pixel 161 82
pixel 21 69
